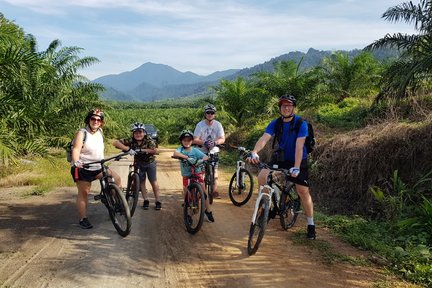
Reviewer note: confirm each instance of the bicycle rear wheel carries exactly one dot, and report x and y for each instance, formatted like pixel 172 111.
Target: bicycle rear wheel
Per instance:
pixel 289 207
pixel 118 210
pixel 193 209
pixel 240 190
pixel 257 229
pixel 132 191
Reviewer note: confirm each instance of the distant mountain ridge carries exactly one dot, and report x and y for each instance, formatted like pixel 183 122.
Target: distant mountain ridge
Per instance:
pixel 150 82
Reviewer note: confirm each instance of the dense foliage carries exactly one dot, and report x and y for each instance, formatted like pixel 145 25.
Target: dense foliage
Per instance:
pixel 37 91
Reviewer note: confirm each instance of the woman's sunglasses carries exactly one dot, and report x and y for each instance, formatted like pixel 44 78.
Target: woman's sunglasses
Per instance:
pixel 210 112
pixel 95 119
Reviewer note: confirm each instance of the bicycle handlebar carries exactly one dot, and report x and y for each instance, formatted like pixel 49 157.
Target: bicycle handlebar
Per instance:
pixel 116 157
pixel 266 166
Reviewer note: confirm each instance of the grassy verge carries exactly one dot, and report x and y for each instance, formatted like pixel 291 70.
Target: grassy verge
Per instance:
pixel 401 255
pixel 43 174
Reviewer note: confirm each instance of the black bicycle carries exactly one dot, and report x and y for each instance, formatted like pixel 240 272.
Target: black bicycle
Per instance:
pixel 194 200
pixel 113 198
pixel 133 188
pixel 281 199
pixel 241 185
pixel 210 166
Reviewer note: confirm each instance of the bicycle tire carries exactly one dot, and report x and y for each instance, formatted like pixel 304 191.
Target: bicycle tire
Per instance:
pixel 193 208
pixel 132 191
pixel 289 207
pixel 118 210
pixel 241 195
pixel 209 182
pixel 257 230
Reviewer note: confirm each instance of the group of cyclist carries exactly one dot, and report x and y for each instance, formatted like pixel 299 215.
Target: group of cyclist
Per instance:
pixel 208 133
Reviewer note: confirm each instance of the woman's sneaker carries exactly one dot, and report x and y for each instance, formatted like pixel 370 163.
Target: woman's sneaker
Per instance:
pixel 158 205
pixel 146 204
pixel 85 224
pixel 209 216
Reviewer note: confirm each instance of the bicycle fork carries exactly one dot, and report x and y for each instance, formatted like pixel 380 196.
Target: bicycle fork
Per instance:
pixel 239 175
pixel 262 194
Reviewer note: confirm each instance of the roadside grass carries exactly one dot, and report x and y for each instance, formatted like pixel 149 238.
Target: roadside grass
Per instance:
pixel 401 256
pixel 43 174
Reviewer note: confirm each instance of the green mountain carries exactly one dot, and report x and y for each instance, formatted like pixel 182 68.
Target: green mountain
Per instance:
pixel 151 82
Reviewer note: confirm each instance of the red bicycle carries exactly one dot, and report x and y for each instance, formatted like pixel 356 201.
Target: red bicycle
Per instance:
pixel 194 201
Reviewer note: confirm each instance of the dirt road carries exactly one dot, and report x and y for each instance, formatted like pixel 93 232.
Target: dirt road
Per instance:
pixel 41 245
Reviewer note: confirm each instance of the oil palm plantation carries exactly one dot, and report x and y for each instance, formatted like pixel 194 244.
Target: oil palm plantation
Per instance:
pixel 414 68
pixel 41 93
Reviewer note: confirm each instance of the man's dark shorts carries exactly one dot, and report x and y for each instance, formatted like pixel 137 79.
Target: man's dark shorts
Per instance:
pixel 303 177
pixel 81 174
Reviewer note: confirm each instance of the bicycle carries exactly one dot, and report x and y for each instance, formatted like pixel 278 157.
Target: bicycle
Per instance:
pixel 281 199
pixel 241 184
pixel 133 186
pixel 113 198
pixel 210 171
pixel 194 200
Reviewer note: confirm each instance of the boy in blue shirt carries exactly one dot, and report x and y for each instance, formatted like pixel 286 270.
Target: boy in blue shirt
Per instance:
pixel 192 155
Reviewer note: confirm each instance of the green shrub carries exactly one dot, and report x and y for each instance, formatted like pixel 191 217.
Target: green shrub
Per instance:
pixel 350 113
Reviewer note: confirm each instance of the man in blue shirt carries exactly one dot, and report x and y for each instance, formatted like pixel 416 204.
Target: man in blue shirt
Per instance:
pixel 291 154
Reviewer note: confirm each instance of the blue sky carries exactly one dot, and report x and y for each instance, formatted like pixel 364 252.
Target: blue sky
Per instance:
pixel 202 36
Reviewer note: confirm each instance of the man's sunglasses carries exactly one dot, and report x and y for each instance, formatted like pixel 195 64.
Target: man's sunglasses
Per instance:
pixel 210 112
pixel 95 119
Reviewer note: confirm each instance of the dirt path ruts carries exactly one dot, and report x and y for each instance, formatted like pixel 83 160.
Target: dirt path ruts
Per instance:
pixel 42 246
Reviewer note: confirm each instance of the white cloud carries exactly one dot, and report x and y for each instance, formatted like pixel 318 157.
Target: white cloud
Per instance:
pixel 202 36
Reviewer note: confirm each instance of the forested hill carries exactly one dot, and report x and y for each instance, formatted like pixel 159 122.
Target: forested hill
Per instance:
pixel 151 82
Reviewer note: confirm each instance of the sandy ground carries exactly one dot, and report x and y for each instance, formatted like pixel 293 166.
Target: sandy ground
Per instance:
pixel 41 245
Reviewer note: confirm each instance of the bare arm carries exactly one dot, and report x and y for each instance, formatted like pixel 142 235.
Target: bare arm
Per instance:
pixel 220 140
pixel 261 143
pixel 180 155
pixel 198 141
pixel 120 145
pixel 299 151
pixel 77 146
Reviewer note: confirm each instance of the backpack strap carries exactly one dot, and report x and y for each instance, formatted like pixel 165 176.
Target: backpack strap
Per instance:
pixel 278 131
pixel 298 124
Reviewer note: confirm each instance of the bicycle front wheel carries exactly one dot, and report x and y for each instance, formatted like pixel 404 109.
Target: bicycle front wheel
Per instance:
pixel 209 177
pixel 193 209
pixel 240 190
pixel 118 210
pixel 257 229
pixel 132 191
pixel 289 207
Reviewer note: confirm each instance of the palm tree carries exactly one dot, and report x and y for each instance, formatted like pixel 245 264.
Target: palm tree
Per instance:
pixel 239 100
pixel 345 77
pixel 414 66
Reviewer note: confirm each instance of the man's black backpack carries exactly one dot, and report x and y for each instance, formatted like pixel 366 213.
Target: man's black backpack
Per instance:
pixel 310 139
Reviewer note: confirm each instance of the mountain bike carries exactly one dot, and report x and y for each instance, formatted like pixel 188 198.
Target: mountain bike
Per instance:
pixel 210 166
pixel 113 198
pixel 241 185
pixel 281 199
pixel 194 200
pixel 133 186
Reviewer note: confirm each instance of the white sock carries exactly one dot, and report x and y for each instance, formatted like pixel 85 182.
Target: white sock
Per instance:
pixel 310 220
